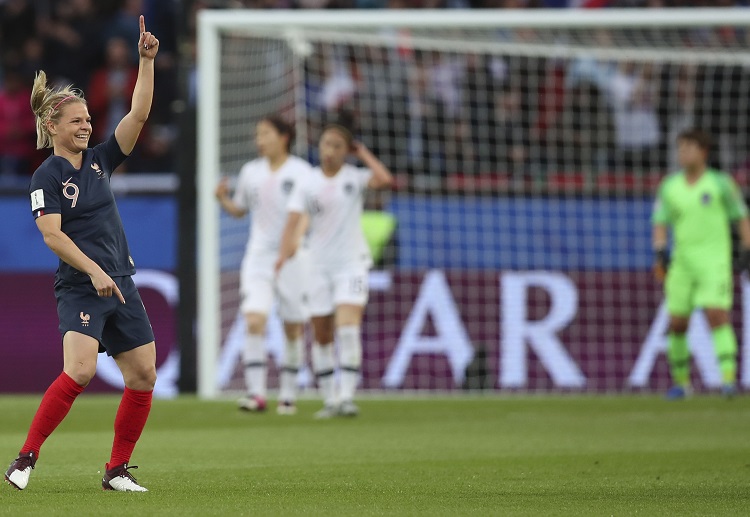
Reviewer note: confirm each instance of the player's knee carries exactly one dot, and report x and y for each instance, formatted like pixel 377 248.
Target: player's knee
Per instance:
pixel 678 325
pixel 717 318
pixel 292 330
pixel 256 324
pixel 142 378
pixel 81 373
pixel 324 333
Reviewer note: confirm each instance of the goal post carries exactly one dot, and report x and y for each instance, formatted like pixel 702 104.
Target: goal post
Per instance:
pixel 527 145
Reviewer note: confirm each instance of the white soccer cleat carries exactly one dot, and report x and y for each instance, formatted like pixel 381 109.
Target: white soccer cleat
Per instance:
pixel 252 403
pixel 327 412
pixel 348 409
pixel 19 471
pixel 286 408
pixel 120 480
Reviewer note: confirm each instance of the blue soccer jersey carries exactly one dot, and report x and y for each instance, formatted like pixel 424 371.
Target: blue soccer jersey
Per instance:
pixel 87 206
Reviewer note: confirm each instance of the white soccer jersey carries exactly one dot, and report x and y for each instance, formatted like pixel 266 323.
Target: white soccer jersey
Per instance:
pixel 334 204
pixel 265 194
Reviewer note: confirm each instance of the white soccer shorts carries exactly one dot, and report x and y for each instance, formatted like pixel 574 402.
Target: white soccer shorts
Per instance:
pixel 260 287
pixel 331 287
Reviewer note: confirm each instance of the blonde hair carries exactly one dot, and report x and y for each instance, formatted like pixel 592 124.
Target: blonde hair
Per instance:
pixel 47 104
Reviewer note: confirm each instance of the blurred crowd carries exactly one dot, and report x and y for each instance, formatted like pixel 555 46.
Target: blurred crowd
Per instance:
pixel 91 45
pixel 448 112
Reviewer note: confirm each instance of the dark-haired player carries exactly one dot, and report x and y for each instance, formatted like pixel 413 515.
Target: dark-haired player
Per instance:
pixel 699 204
pixel 332 196
pixel 263 188
pixel 97 302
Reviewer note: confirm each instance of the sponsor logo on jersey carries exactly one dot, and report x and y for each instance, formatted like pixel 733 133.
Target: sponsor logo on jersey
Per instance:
pixel 70 191
pixel 98 170
pixel 85 319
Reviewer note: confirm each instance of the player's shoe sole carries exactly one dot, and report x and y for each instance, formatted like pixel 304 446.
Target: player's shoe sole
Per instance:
pixel 19 471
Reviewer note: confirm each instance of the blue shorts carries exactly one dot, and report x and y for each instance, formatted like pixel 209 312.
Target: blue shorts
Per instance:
pixel 117 327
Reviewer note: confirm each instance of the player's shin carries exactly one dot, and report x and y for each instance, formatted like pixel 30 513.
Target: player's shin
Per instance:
pixel 254 359
pixel 679 359
pixel 130 420
pixel 350 345
pixel 725 344
pixel 323 366
pixel 292 364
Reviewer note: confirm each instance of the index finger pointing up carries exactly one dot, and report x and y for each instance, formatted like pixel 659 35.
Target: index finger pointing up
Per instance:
pixel 142 23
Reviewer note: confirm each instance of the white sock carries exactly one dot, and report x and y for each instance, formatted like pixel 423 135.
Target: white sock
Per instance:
pixel 323 366
pixel 350 352
pixel 292 363
pixel 254 360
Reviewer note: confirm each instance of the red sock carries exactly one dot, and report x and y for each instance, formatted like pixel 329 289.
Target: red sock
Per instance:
pixel 55 404
pixel 129 422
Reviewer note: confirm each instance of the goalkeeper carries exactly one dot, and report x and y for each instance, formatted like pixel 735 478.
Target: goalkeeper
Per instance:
pixel 699 204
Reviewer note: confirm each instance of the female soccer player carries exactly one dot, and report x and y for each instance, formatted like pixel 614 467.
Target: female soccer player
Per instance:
pixel 99 307
pixel 263 187
pixel 332 196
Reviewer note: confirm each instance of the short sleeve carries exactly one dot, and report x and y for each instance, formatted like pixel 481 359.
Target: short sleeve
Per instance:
pixel 241 197
pixel 661 213
pixel 297 201
pixel 44 191
pixel 732 198
pixel 109 154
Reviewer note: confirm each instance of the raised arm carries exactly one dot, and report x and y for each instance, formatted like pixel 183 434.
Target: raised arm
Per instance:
pixel 130 126
pixel 381 176
pixel 66 249
pixel 222 195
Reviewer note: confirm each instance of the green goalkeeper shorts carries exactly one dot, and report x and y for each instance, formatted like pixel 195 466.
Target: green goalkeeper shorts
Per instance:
pixel 688 289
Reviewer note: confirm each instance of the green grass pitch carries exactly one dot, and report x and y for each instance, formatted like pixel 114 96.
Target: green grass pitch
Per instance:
pixel 457 456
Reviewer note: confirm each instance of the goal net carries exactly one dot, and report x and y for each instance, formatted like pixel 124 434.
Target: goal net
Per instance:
pixel 527 147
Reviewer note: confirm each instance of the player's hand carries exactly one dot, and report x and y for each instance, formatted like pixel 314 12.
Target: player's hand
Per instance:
pixel 744 260
pixel 279 264
pixel 359 149
pixel 105 286
pixel 148 45
pixel 222 189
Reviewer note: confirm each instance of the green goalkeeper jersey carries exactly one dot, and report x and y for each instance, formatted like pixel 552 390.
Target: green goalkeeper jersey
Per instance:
pixel 700 215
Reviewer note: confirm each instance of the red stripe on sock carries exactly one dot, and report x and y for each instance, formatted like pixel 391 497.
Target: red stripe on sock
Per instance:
pixel 55 405
pixel 129 423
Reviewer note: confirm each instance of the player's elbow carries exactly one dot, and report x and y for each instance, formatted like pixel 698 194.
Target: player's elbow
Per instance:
pixel 51 239
pixel 384 183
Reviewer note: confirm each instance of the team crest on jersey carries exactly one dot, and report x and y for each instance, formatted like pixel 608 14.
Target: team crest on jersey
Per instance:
pixel 706 198
pixel 349 188
pixel 98 170
pixel 287 186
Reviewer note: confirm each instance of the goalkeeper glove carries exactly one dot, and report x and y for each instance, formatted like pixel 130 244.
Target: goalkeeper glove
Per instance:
pixel 744 260
pixel 662 263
